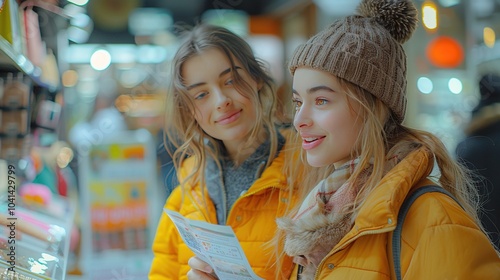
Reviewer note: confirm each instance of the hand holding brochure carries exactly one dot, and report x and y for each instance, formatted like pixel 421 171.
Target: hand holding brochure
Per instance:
pixel 216 245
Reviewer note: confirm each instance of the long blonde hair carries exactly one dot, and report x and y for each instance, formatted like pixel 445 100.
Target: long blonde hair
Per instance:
pixel 380 136
pixel 187 137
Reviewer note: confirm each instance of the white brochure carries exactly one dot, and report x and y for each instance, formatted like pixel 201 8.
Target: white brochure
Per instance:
pixel 216 245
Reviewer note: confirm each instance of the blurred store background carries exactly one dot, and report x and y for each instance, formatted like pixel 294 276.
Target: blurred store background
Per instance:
pixel 82 83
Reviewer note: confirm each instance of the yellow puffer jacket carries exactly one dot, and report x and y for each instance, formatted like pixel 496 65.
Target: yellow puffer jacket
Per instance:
pixel 439 241
pixel 252 218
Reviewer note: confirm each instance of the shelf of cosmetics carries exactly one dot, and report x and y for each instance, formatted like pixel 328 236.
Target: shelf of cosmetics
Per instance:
pixel 21 45
pixel 34 238
pixel 14 113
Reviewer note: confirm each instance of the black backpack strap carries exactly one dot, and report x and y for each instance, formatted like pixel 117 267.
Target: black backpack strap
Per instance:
pixel 396 235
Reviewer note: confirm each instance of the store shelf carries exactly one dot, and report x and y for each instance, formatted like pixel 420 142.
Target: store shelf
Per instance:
pixel 15 136
pixel 42 238
pixel 10 59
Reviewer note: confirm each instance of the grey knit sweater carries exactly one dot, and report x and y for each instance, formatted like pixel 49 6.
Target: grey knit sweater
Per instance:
pixel 226 185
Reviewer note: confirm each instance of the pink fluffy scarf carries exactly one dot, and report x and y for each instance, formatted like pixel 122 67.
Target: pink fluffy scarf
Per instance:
pixel 321 220
pixel 325 215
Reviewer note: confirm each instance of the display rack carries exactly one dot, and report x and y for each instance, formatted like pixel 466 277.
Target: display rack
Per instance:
pixel 119 208
pixel 34 237
pixel 25 75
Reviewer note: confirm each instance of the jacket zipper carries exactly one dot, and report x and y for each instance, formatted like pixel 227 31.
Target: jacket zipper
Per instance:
pixel 224 199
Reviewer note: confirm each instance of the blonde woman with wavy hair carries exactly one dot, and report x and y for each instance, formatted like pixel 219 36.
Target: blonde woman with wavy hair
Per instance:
pixel 229 157
pixel 362 162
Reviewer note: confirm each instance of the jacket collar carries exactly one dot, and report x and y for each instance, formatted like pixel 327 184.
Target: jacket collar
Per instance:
pixel 271 177
pixel 381 207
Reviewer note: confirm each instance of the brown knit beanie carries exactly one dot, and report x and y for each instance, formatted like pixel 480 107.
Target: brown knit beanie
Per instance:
pixel 366 49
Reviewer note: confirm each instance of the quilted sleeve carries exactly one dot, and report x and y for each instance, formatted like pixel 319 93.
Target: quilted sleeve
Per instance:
pixel 443 242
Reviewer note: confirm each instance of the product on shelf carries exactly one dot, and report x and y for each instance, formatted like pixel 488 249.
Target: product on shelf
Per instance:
pixel 34 240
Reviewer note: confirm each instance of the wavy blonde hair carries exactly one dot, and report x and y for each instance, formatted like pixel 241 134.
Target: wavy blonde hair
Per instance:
pixel 183 131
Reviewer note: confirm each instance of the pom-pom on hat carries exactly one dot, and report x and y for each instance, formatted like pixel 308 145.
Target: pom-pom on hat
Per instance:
pixel 366 49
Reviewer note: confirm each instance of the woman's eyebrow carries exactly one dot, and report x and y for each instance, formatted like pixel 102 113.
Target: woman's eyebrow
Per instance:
pixel 220 75
pixel 315 89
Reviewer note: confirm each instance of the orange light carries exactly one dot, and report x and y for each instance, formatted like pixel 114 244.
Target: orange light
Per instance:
pixel 445 52
pixel 264 25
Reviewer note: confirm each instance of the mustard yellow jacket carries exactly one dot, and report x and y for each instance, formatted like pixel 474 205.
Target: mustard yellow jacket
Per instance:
pixel 439 241
pixel 252 218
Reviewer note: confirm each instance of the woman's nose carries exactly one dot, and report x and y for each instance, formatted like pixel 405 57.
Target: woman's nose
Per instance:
pixel 223 100
pixel 302 119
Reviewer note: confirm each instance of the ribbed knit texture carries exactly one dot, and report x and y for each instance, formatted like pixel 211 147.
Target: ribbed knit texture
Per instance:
pixel 361 51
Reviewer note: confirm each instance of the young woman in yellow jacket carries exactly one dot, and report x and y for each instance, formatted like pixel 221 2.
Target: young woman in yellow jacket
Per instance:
pixel 229 152
pixel 349 90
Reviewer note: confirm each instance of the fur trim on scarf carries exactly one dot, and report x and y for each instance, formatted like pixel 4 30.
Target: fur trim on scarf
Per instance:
pixel 313 237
